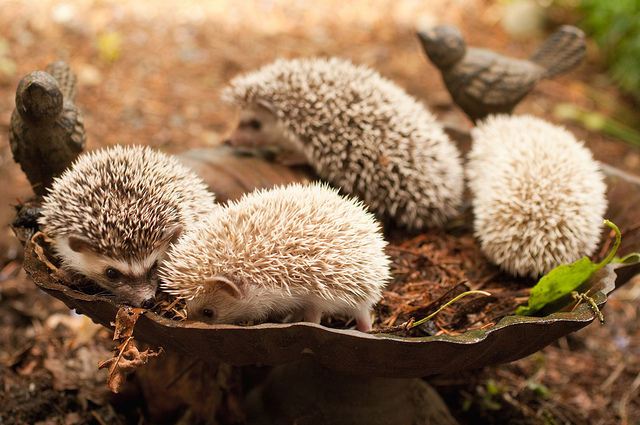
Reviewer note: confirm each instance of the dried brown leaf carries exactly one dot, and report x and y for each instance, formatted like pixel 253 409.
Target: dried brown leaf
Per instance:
pixel 126 319
pixel 128 358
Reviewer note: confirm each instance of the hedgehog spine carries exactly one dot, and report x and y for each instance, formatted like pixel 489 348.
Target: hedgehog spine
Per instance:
pixel 539 196
pixel 286 250
pixel 359 131
pixel 114 212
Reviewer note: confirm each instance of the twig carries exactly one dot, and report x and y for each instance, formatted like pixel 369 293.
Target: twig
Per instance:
pixel 98 418
pixel 181 374
pixel 624 420
pixel 447 304
pixel 584 297
pixel 441 297
pixel 170 306
pixel 394 329
pixel 613 376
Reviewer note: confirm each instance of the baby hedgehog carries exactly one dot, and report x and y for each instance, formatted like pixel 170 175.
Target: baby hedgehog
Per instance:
pixel 358 130
pixel 292 249
pixel 113 214
pixel 539 196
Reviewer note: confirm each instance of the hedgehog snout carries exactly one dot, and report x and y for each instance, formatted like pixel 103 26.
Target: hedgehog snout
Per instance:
pixel 149 302
pixel 140 293
pixel 137 291
pixel 243 137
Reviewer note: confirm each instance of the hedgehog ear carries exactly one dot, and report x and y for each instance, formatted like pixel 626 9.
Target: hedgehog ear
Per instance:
pixel 266 105
pixel 172 233
pixel 220 283
pixel 79 243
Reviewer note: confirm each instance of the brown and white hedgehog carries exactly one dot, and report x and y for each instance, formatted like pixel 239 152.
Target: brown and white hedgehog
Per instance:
pixel 113 214
pixel 538 194
pixel 292 249
pixel 359 131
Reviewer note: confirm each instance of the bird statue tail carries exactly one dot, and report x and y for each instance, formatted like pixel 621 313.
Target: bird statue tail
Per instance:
pixel 563 51
pixel 65 77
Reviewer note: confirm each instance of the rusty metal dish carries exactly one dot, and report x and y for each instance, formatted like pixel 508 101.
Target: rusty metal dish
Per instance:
pixel 350 351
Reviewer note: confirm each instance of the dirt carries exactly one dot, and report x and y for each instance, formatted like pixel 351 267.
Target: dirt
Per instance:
pixel 152 75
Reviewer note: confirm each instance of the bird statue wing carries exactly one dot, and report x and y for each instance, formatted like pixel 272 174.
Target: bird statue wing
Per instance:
pixel 15 126
pixel 488 83
pixel 563 51
pixel 65 77
pixel 497 81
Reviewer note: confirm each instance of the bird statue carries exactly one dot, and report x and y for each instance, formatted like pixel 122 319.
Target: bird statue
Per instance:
pixel 483 82
pixel 46 132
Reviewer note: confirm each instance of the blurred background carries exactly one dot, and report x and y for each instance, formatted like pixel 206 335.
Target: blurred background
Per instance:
pixel 151 72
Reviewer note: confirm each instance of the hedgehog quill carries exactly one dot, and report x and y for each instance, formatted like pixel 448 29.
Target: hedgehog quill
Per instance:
pixel 113 214
pixel 301 250
pixel 359 131
pixel 538 195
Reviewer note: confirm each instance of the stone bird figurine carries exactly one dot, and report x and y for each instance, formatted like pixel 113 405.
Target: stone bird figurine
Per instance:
pixel 482 82
pixel 46 132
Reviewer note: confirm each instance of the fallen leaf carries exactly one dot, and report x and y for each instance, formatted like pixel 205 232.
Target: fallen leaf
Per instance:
pixel 567 278
pixel 127 357
pixel 126 319
pixel 110 46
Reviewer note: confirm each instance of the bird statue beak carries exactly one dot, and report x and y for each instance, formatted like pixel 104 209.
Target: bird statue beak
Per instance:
pixel 427 35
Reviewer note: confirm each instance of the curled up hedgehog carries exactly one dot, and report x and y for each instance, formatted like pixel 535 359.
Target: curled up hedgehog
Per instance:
pixel 538 194
pixel 301 250
pixel 113 214
pixel 359 131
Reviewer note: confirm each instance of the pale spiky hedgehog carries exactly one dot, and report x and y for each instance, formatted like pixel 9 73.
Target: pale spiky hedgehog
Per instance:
pixel 114 212
pixel 359 131
pixel 538 194
pixel 292 249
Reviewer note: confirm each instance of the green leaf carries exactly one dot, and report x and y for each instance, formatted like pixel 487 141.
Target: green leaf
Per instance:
pixel 493 388
pixel 557 283
pixel 564 279
pixel 539 388
pixel 629 259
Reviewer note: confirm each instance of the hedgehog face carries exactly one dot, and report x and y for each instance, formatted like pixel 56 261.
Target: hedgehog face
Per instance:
pixel 114 212
pixel 221 301
pixel 260 126
pixel 132 280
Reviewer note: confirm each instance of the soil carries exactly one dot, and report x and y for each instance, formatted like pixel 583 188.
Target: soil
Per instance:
pixel 152 75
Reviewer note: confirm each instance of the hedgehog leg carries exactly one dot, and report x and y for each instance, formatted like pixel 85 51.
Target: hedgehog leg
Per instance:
pixel 294 316
pixel 312 315
pixel 363 318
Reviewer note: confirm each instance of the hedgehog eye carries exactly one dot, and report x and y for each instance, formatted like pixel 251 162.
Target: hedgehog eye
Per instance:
pixel 112 273
pixel 255 124
pixel 207 312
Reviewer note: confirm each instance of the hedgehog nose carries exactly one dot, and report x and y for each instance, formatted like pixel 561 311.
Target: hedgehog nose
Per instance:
pixel 148 302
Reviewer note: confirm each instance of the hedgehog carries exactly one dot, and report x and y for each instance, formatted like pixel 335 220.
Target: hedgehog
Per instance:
pixel 113 214
pixel 358 131
pixel 538 194
pixel 300 250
